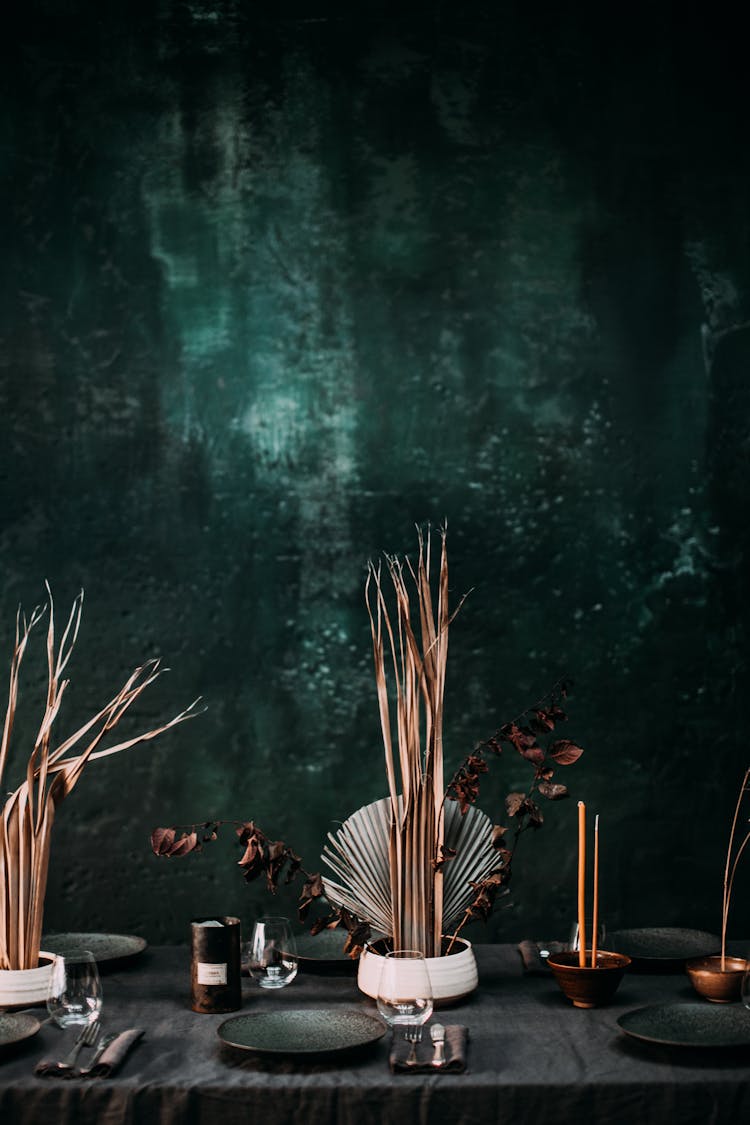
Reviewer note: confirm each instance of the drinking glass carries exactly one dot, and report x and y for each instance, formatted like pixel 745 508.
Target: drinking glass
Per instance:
pixel 574 941
pixel 405 991
pixel 74 996
pixel 746 983
pixel 271 953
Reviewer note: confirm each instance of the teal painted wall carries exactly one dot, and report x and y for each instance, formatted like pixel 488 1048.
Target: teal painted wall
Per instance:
pixel 278 288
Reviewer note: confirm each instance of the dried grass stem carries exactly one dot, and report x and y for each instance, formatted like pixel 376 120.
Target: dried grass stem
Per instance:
pixel 29 813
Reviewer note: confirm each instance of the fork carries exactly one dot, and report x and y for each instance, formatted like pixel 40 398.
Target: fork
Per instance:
pixel 87 1038
pixel 413 1035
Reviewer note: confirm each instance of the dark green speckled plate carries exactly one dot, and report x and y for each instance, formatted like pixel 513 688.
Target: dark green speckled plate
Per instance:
pixel 689 1025
pixel 105 947
pixel 17 1026
pixel 325 946
pixel 315 1031
pixel 323 953
pixel 663 947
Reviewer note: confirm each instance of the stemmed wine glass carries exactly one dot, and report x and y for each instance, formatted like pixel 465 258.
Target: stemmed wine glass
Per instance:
pixel 745 987
pixel 271 953
pixel 74 996
pixel 405 992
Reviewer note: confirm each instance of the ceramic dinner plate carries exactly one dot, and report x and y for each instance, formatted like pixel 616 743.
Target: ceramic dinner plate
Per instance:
pixel 689 1025
pixel 314 1031
pixel 16 1026
pixel 663 946
pixel 105 947
pixel 324 953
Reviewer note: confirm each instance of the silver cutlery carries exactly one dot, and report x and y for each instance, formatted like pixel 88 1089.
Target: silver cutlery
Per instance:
pixel 437 1034
pixel 104 1042
pixel 412 1035
pixel 87 1038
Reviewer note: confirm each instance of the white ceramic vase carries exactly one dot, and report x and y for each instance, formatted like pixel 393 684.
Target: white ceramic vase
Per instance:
pixel 453 976
pixel 21 988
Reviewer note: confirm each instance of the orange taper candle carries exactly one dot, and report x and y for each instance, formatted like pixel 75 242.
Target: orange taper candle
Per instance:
pixel 581 884
pixel 595 907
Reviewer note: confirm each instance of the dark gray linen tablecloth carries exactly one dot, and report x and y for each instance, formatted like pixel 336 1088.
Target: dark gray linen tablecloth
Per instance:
pixel 531 1058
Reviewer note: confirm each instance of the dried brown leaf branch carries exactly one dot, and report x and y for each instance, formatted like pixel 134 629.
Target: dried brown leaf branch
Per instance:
pixel 529 734
pixel 51 774
pixel 262 857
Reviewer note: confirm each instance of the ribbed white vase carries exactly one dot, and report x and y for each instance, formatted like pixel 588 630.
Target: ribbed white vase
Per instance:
pixel 453 976
pixel 20 988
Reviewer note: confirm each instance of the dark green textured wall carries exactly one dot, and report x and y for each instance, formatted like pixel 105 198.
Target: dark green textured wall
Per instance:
pixel 278 288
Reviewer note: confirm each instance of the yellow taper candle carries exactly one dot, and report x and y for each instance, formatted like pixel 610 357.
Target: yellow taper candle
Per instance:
pixel 581 884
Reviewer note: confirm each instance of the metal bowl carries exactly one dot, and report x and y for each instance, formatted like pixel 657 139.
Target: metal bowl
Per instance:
pixel 722 986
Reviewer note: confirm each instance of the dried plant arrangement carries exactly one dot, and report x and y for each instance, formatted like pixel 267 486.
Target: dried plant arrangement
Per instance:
pixel 445 861
pixel 423 861
pixel 414 767
pixel 51 774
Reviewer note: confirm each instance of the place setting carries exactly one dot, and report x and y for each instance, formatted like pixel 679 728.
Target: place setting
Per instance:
pixel 404 1005
pixel 269 960
pixel 74 1005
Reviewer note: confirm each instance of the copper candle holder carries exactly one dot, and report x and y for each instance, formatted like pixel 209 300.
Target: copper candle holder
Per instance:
pixel 722 986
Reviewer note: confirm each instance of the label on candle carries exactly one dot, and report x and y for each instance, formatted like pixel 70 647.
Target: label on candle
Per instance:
pixel 211 974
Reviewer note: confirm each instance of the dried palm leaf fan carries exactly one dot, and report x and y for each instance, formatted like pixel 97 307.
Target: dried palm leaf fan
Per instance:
pixel 385 856
pixel 359 854
pixel 51 774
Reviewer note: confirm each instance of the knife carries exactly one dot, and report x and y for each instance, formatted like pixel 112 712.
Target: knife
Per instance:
pixel 437 1034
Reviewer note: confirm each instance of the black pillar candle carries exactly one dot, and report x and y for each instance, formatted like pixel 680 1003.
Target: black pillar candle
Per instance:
pixel 215 964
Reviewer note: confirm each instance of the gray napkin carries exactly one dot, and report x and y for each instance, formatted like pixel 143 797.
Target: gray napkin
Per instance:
pixel 107 1063
pixel 49 1068
pixel 456 1038
pixel 114 1055
pixel 533 962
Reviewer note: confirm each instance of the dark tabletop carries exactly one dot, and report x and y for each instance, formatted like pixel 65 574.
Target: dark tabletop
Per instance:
pixel 532 1058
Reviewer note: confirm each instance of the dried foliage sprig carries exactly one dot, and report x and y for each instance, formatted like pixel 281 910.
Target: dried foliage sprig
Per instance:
pixel 730 868
pixel 261 855
pixel 51 774
pixel 529 735
pixel 270 859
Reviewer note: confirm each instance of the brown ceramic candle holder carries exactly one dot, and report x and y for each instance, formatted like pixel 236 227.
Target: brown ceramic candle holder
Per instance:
pixel 588 986
pixel 722 986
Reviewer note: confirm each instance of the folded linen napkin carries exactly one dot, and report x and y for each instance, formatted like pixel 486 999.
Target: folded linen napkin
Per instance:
pixel 113 1056
pixel 108 1062
pixel 50 1068
pixel 531 954
pixel 456 1038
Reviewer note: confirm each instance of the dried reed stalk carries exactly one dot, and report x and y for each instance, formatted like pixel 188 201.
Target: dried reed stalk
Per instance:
pixel 28 813
pixel 418 672
pixel 730 868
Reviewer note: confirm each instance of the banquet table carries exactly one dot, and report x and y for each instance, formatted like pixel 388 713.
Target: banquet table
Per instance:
pixel 531 1057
